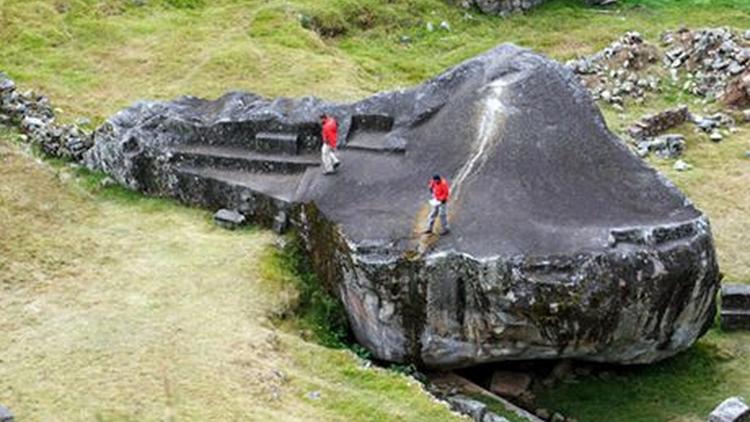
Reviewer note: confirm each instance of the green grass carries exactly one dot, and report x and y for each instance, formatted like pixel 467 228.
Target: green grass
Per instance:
pixel 119 307
pixel 685 388
pixel 126 309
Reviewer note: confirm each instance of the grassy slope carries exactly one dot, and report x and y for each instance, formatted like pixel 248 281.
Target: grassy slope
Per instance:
pixel 116 307
pixel 100 56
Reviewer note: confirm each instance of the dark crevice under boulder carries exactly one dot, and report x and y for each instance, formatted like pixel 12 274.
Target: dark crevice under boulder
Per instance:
pixel 563 243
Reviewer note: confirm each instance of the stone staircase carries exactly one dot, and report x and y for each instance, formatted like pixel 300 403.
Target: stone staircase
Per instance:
pixel 258 176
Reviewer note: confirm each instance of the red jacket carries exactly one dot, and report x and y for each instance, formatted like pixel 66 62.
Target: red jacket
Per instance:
pixel 330 130
pixel 440 190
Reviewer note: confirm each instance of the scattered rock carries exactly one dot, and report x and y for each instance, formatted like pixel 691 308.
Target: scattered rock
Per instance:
pixel 746 115
pixel 313 395
pixel 107 182
pixel 510 384
pixel 556 417
pixel 474 408
pixel 733 409
pixel 229 219
pixel 612 74
pixel 716 137
pixel 713 56
pixel 444 25
pixel 430 27
pixel 682 166
pixel 665 146
pixel 493 417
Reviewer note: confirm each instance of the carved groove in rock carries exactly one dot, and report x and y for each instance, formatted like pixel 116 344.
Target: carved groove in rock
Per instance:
pixel 564 244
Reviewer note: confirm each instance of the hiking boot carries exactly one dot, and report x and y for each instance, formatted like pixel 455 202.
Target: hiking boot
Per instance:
pixel 336 164
pixel 427 231
pixel 445 232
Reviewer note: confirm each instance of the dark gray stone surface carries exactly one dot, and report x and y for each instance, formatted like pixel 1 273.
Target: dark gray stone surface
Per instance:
pixel 733 409
pixel 563 244
pixel 735 307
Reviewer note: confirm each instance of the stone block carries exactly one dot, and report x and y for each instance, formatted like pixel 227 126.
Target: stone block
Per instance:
pixel 733 409
pixel 735 296
pixel 229 219
pixel 284 143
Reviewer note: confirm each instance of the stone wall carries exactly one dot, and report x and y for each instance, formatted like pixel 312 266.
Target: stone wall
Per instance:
pixel 507 7
pixel 34 116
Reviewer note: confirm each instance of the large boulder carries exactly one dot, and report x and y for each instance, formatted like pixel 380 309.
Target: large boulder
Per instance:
pixel 563 243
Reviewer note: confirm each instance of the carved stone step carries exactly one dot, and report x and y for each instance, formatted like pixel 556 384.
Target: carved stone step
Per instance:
pixel 735 319
pixel 258 196
pixel 273 142
pixel 236 158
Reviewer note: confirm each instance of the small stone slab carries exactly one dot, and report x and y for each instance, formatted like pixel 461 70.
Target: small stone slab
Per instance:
pixel 733 409
pixel 5 415
pixel 735 296
pixel 229 219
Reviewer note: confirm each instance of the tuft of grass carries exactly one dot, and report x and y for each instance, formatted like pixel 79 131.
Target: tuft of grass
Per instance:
pixel 313 308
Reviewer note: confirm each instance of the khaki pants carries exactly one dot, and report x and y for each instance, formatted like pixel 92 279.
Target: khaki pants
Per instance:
pixel 329 158
pixel 441 210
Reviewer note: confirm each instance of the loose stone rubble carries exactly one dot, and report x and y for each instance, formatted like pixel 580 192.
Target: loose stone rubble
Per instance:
pixel 612 75
pixel 551 254
pixel 713 63
pixel 710 58
pixel 34 115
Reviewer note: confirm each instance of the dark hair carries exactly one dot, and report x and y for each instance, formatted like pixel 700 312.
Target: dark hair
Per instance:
pixel 436 177
pixel 322 116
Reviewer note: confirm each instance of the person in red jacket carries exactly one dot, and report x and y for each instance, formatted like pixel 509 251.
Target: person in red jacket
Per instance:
pixel 439 203
pixel 330 131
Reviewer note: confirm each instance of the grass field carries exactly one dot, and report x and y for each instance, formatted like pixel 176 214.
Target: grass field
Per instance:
pixel 120 307
pixel 117 307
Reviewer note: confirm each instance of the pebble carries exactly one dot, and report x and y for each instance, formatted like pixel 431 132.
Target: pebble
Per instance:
pixel 313 395
pixel 445 26
pixel 716 137
pixel 680 165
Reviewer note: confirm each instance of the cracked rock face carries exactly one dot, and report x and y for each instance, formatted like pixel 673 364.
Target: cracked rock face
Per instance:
pixel 563 243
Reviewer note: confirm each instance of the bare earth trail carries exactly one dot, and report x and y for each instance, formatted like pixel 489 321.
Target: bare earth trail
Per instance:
pixel 117 308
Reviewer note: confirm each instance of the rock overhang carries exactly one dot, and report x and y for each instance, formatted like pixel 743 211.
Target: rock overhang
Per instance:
pixel 564 244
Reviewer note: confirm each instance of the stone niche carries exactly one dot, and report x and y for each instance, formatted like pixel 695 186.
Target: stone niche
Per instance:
pixel 563 243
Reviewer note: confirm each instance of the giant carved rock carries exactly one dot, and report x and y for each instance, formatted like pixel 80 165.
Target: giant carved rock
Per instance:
pixel 563 243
